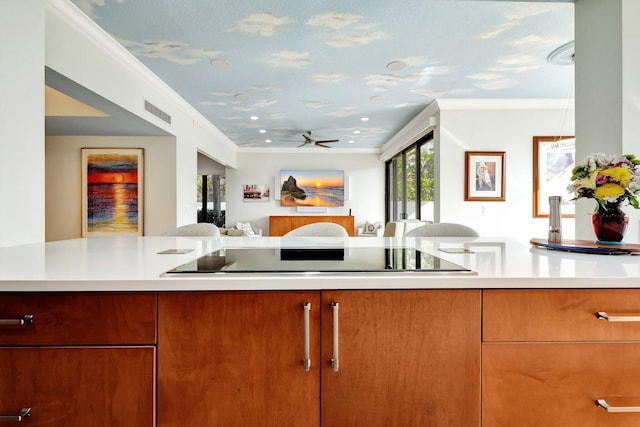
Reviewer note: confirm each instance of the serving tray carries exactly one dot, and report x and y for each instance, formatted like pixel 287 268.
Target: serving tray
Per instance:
pixel 587 247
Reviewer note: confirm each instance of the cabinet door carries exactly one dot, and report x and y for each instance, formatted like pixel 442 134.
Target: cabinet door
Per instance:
pixel 236 359
pixel 79 387
pixel 406 358
pixel 558 384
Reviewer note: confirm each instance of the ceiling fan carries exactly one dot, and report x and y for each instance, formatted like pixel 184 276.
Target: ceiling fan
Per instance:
pixel 308 140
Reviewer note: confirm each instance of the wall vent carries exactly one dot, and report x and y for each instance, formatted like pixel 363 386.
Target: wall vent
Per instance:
pixel 157 112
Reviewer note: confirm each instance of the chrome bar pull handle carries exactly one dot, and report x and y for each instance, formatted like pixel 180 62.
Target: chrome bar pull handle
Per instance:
pixel 604 405
pixel 307 359
pixel 24 412
pixel 617 317
pixel 27 319
pixel 335 360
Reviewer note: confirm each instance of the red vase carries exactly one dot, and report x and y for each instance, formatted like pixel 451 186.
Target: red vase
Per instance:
pixel 610 223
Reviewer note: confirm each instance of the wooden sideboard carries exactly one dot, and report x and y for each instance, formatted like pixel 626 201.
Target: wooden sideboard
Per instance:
pixel 279 225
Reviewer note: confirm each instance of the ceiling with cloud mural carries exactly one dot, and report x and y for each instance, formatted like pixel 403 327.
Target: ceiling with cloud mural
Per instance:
pixel 264 72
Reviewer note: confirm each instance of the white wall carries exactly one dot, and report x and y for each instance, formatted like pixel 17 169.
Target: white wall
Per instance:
pixel 22 122
pixel 463 127
pixel 81 51
pixel 364 171
pixel 63 182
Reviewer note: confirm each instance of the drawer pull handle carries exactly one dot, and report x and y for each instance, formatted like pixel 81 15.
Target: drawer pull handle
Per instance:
pixel 335 362
pixel 307 359
pixel 24 412
pixel 27 319
pixel 603 404
pixel 616 317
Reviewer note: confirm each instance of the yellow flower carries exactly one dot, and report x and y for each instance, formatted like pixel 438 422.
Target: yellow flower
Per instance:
pixel 589 182
pixel 619 175
pixel 608 191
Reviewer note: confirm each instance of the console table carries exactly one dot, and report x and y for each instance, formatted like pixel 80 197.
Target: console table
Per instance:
pixel 280 225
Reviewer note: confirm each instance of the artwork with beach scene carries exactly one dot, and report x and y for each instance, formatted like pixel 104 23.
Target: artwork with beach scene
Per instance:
pixel 112 191
pixel 312 188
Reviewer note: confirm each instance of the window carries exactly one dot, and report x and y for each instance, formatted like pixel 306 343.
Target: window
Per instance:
pixel 410 182
pixel 211 197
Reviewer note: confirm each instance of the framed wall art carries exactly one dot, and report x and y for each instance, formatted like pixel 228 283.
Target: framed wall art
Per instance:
pixel 554 157
pixel 312 188
pixel 255 193
pixel 112 191
pixel 484 176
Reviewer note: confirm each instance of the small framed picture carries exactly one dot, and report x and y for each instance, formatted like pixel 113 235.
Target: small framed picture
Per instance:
pixel 255 193
pixel 484 176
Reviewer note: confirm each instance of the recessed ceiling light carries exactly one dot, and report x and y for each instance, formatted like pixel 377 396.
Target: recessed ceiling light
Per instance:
pixel 241 96
pixel 262 131
pixel 351 141
pixel 356 131
pixel 254 117
pixel 396 65
pixel 267 140
pixel 220 63
pixel 365 119
pixel 376 98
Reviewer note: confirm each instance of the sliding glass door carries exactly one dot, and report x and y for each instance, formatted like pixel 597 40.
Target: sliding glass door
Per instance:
pixel 409 182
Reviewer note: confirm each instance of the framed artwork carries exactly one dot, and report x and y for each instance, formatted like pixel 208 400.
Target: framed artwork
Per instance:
pixel 554 157
pixel 112 191
pixel 484 176
pixel 255 193
pixel 316 188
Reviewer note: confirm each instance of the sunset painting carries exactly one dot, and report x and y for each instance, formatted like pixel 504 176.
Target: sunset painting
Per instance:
pixel 312 188
pixel 112 191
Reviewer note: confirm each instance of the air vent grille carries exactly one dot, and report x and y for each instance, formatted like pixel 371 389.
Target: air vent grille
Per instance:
pixel 157 112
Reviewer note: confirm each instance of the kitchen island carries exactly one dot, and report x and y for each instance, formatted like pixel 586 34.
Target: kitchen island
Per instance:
pixel 517 336
pixel 136 264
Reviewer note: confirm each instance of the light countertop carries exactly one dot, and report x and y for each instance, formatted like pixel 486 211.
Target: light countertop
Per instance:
pixel 134 264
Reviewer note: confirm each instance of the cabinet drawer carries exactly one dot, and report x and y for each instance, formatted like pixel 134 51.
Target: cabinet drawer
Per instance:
pixel 558 384
pixel 78 387
pixel 78 318
pixel 560 315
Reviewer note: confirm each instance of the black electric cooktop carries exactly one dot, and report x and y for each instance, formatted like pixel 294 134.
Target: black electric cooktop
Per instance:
pixel 317 260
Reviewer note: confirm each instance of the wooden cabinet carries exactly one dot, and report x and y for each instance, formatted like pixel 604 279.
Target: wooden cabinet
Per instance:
pixel 549 355
pixel 280 225
pixel 236 359
pixel 78 359
pixel 405 358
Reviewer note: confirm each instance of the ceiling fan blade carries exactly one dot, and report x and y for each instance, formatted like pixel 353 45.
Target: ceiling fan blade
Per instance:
pixel 303 144
pixel 328 140
pixel 319 144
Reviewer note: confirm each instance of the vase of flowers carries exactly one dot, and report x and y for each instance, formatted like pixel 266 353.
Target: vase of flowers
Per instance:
pixel 610 181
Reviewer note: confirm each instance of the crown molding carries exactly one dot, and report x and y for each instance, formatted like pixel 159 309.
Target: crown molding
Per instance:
pixel 417 127
pixel 505 104
pixel 77 19
pixel 306 150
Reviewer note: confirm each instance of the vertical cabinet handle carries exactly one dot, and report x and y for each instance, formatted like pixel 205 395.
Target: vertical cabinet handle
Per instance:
pixel 24 412
pixel 617 318
pixel 604 405
pixel 27 319
pixel 335 360
pixel 307 359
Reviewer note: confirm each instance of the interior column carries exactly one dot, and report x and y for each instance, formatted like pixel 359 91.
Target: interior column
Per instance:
pixel 607 70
